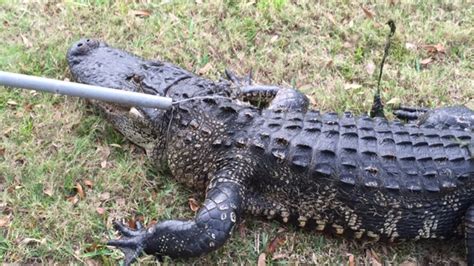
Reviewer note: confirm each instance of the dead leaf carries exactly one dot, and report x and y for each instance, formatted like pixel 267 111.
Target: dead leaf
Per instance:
pixel 370 68
pixel 434 49
pixel 100 210
pixel 261 259
pixel 2 151
pixel 29 240
pixel 4 221
pixel 426 61
pixel 74 199
pixel 141 13
pixel 203 70
pixel 193 204
pixel 274 38
pixel 132 223
pixel 373 257
pixel 26 42
pixel 409 263
pixel 88 183
pixel 368 13
pixel 330 18
pixel 103 164
pixel 48 191
pixel 80 191
pixel 12 103
pixel 242 230
pixel 351 259
pixel 115 145
pixel 280 256
pixel 104 196
pixel 394 101
pixel 352 86
pixel 411 46
pixel 329 63
pixel 347 45
pixel 274 244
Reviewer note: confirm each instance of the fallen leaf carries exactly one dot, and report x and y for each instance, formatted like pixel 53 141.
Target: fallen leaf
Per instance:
pixel 408 263
pixel 330 18
pixel 434 49
pixel 100 210
pixel 4 221
pixel 88 183
pixel 351 259
pixel 2 151
pixel 368 13
pixel 411 46
pixel 29 240
pixel 141 13
pixel 274 244
pixel 347 45
pixel 352 86
pixel 26 42
pixel 274 38
pixel 373 258
pixel 193 204
pixel 426 61
pixel 104 196
pixel 103 164
pixel 329 63
pixel 48 191
pixel 242 230
pixel 132 223
pixel 394 101
pixel 12 103
pixel 80 191
pixel 74 199
pixel 280 256
pixel 203 70
pixel 370 68
pixel 261 259
pixel 115 145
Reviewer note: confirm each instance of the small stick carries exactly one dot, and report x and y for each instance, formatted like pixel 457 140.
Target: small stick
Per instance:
pixel 377 107
pixel 84 91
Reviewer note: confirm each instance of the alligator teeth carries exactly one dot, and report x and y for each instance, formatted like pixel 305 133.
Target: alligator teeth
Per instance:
pixel 135 112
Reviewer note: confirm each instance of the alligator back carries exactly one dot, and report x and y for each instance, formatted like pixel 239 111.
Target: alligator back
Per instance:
pixel 362 176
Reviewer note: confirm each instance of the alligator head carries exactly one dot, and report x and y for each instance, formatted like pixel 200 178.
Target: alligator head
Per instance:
pixel 95 63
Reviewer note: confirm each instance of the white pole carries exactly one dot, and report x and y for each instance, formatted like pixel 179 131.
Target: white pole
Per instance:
pixel 84 91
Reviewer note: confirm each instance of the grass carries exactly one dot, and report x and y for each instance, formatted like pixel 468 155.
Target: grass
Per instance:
pixel 52 146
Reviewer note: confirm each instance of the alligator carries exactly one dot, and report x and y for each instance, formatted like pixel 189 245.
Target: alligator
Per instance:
pixel 355 176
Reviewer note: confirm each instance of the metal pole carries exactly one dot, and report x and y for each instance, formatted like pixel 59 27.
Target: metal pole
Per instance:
pixel 84 90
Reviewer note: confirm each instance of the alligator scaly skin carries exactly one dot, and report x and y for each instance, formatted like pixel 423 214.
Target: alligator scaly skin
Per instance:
pixel 353 176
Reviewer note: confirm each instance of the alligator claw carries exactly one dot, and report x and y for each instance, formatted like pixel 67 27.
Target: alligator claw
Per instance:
pixel 239 81
pixel 132 242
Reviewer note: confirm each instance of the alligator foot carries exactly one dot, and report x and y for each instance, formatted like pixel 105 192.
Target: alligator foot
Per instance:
pixel 239 81
pixel 132 243
pixel 409 113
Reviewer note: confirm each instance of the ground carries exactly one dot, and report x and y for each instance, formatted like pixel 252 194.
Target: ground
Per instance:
pixel 65 174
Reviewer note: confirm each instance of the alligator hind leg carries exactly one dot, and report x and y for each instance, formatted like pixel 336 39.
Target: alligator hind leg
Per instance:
pixel 208 231
pixel 469 229
pixel 450 116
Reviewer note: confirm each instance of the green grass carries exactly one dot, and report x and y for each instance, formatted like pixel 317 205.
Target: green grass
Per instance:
pixel 50 143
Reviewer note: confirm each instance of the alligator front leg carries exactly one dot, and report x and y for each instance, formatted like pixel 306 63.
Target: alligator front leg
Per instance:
pixel 274 97
pixel 208 231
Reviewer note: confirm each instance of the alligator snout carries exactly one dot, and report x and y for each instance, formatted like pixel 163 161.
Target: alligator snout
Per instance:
pixel 82 47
